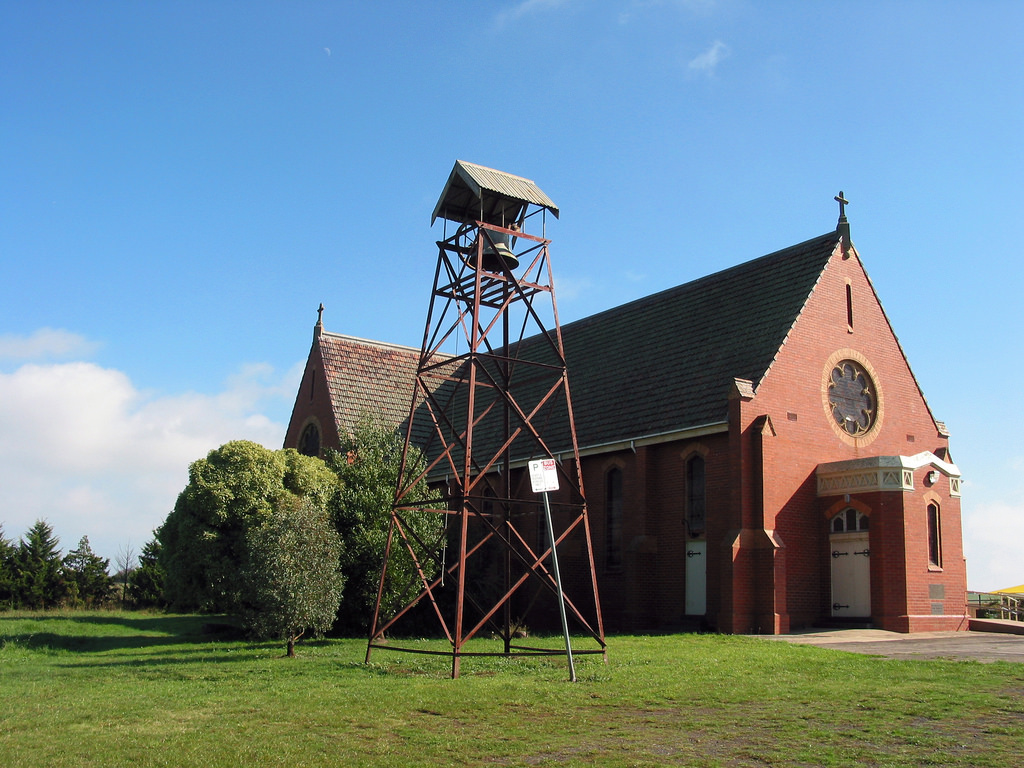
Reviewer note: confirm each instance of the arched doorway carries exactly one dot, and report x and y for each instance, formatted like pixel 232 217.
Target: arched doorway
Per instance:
pixel 851 564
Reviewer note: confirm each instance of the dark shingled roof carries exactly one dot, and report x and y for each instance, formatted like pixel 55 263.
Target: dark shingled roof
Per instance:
pixel 656 365
pixel 666 362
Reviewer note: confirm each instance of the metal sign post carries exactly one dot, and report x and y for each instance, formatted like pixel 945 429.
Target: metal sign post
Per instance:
pixel 544 478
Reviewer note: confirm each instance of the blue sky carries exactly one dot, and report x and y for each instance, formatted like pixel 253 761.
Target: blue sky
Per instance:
pixel 181 184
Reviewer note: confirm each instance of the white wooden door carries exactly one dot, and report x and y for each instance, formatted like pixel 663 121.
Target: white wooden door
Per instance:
pixel 696 578
pixel 851 574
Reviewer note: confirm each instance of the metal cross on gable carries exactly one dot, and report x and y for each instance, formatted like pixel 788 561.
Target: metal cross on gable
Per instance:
pixel 843 202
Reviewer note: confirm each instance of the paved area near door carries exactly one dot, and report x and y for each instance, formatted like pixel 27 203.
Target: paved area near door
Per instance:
pixel 979 646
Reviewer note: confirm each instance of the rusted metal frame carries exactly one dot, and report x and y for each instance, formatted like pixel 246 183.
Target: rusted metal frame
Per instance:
pixel 526 420
pixel 430 403
pixel 442 259
pixel 419 569
pixel 514 232
pixel 416 391
pixel 412 604
pixel 526 423
pixel 380 589
pixel 525 651
pixel 434 407
pixel 399 492
pixel 505 367
pixel 458 293
pixel 467 461
pixel 541 260
pixel 451 296
pixel 501 311
pixel 546 334
pixel 539 571
pixel 431 551
pixel 539 564
pixel 461 438
pixel 576 459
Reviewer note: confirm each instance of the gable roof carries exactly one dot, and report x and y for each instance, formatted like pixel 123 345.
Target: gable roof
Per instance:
pixel 476 192
pixel 367 377
pixel 666 362
pixel 660 364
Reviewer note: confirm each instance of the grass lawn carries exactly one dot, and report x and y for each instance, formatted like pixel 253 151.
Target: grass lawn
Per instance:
pixel 113 689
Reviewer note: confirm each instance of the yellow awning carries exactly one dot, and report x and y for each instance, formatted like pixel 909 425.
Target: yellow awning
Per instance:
pixel 1012 590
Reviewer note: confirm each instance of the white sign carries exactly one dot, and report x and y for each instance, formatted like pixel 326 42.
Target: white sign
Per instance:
pixel 544 475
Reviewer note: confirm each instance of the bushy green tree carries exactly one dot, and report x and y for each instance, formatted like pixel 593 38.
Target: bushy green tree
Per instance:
pixel 237 487
pixel 146 583
pixel 39 573
pixel 87 576
pixel 292 581
pixel 367 467
pixel 7 554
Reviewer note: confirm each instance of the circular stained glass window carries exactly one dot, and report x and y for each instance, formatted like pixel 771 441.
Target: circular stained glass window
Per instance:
pixel 852 397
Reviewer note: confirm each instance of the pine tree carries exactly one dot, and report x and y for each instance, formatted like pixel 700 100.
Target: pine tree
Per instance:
pixel 146 583
pixel 7 553
pixel 88 574
pixel 38 571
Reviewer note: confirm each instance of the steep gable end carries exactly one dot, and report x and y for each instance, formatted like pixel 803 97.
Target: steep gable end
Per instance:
pixel 368 377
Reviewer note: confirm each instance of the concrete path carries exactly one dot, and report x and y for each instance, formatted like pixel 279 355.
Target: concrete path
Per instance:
pixel 979 646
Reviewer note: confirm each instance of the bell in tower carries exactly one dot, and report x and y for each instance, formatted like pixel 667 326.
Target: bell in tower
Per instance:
pixel 491 398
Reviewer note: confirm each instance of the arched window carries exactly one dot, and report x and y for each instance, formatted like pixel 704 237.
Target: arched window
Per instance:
pixel 309 441
pixel 849 521
pixel 613 517
pixel 849 307
pixel 696 497
pixel 934 536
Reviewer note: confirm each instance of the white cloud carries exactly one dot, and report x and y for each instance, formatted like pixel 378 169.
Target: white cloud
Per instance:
pixel 993 525
pixel 83 449
pixel 708 61
pixel 43 344
pixel 526 7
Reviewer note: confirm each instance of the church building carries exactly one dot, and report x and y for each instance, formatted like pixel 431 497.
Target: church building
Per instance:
pixel 759 456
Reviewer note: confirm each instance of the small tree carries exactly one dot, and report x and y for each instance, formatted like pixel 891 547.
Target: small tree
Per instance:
pixel 125 567
pixel 39 573
pixel 146 583
pixel 292 581
pixel 87 575
pixel 7 555
pixel 368 468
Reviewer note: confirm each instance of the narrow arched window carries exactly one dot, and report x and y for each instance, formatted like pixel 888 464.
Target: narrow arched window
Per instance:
pixel 613 517
pixel 849 306
pixel 934 536
pixel 696 497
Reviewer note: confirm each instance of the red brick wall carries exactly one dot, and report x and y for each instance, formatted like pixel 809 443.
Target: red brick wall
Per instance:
pixel 313 402
pixel 792 396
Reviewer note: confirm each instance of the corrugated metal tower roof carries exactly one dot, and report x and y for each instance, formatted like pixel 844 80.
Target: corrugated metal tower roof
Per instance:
pixel 475 192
